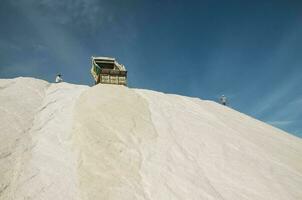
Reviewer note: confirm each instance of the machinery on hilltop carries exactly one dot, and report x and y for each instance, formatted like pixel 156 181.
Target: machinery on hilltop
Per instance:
pixel 108 71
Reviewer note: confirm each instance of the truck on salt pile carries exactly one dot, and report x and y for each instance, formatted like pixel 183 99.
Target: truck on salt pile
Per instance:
pixel 108 71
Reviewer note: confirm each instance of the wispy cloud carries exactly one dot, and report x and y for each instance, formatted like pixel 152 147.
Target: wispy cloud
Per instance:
pixel 88 14
pixel 58 40
pixel 280 123
pixel 290 111
pixel 288 117
pixel 290 80
pixel 274 98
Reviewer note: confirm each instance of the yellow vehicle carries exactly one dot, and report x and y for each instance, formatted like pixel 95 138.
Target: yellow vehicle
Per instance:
pixel 108 71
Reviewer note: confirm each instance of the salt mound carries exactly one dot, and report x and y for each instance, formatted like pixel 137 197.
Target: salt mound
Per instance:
pixel 64 141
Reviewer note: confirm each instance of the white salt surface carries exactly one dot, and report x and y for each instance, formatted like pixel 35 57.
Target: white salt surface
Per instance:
pixel 64 141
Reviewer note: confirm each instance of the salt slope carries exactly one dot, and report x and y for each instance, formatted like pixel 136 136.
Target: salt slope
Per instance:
pixel 64 141
pixel 139 144
pixel 19 100
pixel 208 151
pixel 36 160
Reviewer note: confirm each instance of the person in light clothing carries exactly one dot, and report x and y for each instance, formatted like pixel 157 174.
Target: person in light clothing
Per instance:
pixel 59 78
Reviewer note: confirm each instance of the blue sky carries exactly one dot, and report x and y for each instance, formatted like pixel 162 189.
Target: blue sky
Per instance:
pixel 248 50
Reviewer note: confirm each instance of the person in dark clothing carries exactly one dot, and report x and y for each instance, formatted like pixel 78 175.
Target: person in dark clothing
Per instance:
pixel 223 100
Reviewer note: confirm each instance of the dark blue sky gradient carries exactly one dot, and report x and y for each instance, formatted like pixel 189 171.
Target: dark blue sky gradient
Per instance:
pixel 248 50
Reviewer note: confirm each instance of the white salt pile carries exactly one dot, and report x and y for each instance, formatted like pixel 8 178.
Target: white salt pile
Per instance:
pixel 64 141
